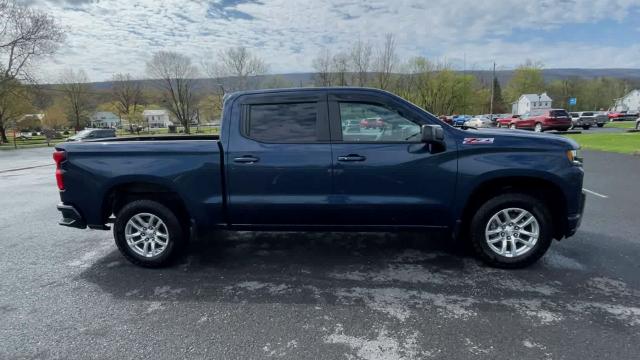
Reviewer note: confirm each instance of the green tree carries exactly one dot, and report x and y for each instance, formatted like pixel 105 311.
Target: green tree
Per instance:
pixel 527 79
pixel 14 103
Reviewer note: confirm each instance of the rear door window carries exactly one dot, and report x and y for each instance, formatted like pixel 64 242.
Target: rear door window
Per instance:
pixel 558 113
pixel 286 123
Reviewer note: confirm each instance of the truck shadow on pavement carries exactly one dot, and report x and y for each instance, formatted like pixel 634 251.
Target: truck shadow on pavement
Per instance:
pixel 391 274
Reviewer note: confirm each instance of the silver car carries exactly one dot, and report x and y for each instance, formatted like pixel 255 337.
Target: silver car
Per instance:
pixel 479 122
pixel 583 119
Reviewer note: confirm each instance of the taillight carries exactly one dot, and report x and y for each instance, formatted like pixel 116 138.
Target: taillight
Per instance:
pixel 59 156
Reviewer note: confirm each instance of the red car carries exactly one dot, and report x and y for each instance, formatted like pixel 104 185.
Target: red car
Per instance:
pixel 504 122
pixel 542 120
pixel 372 123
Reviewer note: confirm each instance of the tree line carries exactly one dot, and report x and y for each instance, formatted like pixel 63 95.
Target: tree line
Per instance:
pixel 436 86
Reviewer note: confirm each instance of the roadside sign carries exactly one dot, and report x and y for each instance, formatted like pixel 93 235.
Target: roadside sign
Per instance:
pixel 573 101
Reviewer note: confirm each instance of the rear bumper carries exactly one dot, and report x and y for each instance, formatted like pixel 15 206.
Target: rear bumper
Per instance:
pixel 574 220
pixel 71 217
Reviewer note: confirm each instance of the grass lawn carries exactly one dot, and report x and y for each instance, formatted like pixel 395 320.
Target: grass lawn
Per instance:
pixel 621 124
pixel 626 143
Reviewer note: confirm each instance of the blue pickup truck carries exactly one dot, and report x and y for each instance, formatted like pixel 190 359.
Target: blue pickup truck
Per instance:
pixel 297 159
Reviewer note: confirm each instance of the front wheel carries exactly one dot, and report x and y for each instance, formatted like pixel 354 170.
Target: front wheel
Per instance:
pixel 538 127
pixel 148 234
pixel 512 126
pixel 511 230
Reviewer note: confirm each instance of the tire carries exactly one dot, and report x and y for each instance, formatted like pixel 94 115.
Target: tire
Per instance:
pixel 600 125
pixel 513 127
pixel 483 219
pixel 174 242
pixel 638 126
pixel 586 127
pixel 538 128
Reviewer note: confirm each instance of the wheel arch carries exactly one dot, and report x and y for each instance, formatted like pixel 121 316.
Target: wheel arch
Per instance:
pixel 541 188
pixel 121 193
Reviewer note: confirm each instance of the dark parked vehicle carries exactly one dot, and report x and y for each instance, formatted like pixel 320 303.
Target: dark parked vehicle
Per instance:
pixel 543 120
pixel 92 134
pixel 285 162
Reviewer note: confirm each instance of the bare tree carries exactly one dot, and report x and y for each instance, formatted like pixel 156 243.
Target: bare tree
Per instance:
pixel 177 76
pixel 340 68
pixel 238 63
pixel 25 34
pixel 322 65
pixel 361 60
pixel 385 62
pixel 127 94
pixel 75 87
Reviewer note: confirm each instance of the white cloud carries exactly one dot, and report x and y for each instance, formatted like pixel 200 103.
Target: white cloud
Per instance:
pixel 111 36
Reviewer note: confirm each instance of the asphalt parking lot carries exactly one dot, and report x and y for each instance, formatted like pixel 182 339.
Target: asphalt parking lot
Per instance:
pixel 68 294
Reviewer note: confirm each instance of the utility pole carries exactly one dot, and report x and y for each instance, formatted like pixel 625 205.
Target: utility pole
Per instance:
pixel 493 83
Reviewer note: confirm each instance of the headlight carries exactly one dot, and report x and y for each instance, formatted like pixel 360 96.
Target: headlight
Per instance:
pixel 574 157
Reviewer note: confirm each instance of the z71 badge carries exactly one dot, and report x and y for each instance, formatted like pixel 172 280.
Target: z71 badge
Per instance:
pixel 478 141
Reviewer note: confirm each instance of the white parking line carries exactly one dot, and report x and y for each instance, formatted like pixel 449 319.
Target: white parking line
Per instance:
pixel 594 193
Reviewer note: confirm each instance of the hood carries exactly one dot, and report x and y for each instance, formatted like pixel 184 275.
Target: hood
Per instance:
pixel 524 135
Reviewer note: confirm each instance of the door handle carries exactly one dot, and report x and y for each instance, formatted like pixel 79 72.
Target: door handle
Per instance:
pixel 246 159
pixel 352 157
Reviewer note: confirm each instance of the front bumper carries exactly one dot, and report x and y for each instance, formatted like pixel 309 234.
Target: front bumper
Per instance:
pixel 71 217
pixel 574 221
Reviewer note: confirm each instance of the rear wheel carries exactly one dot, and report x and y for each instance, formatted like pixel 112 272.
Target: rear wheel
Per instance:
pixel 586 127
pixel 601 125
pixel 512 126
pixel 537 127
pixel 511 230
pixel 148 234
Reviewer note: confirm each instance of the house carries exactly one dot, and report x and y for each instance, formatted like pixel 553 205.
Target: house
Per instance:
pixel 157 118
pixel 104 119
pixel 629 102
pixel 529 102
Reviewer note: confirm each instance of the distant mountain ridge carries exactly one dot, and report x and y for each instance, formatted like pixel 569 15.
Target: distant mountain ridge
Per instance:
pixel 306 79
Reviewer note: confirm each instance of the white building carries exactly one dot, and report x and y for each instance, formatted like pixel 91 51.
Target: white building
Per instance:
pixel 157 118
pixel 629 102
pixel 529 102
pixel 104 119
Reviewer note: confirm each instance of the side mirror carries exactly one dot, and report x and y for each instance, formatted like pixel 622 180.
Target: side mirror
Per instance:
pixel 432 134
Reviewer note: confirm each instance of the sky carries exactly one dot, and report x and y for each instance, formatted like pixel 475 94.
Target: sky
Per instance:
pixel 109 36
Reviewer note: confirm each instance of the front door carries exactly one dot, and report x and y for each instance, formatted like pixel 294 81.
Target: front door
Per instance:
pixel 383 174
pixel 279 160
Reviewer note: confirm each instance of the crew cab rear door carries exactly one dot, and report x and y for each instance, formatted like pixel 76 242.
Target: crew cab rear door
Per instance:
pixel 278 159
pixel 384 176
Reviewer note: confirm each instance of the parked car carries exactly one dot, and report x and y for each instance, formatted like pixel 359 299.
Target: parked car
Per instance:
pixel 372 123
pixel 506 120
pixel 601 118
pixel 583 119
pixel 622 115
pixel 91 134
pixel 459 120
pixel 479 122
pixel 282 162
pixel 25 135
pixel 543 120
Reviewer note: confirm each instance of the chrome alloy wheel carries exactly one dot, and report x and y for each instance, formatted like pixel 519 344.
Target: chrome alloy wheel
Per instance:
pixel 146 235
pixel 512 232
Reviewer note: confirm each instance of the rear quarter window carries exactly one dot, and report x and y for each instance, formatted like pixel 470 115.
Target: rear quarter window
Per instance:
pixel 286 123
